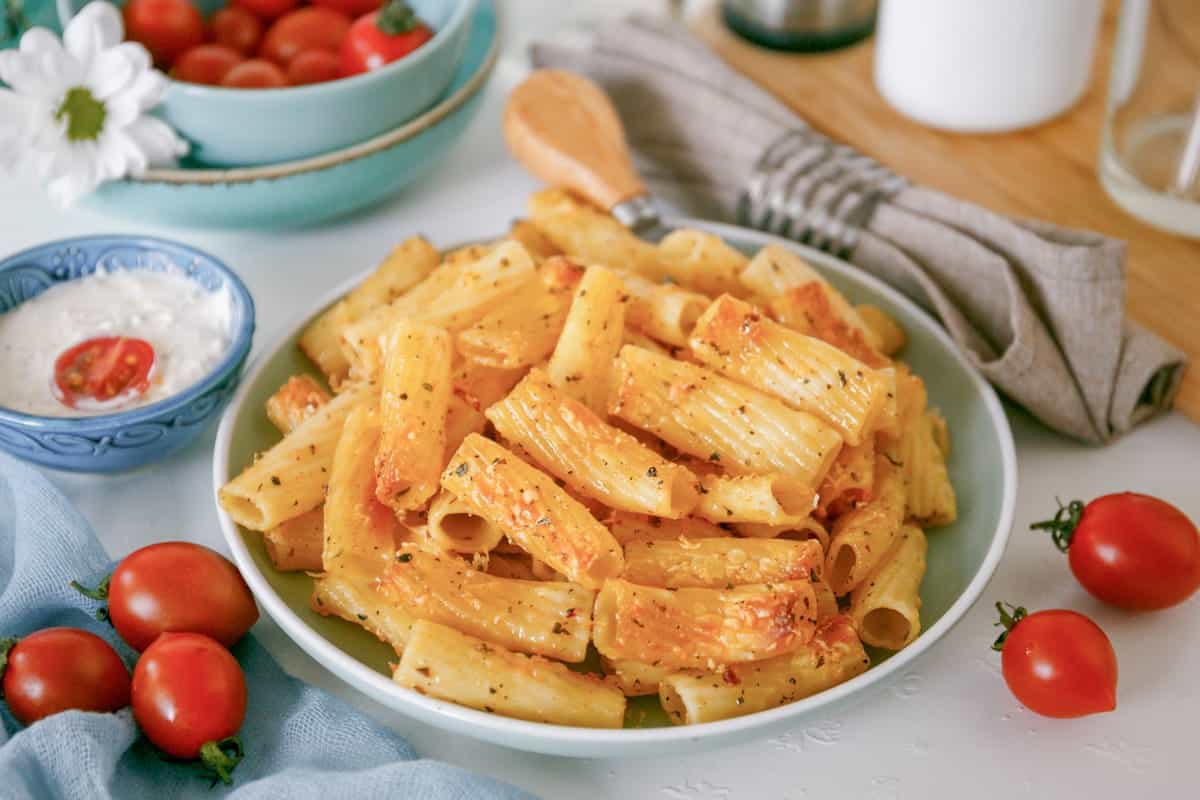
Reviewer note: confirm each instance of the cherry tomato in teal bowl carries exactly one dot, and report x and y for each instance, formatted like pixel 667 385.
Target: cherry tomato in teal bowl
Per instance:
pixel 245 127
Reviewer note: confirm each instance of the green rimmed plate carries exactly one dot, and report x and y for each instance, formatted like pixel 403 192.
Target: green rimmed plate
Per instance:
pixel 961 558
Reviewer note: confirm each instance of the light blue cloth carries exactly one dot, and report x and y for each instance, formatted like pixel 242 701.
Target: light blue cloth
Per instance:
pixel 300 742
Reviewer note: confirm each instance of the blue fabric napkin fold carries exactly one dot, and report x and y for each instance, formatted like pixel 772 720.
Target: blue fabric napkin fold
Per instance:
pixel 300 742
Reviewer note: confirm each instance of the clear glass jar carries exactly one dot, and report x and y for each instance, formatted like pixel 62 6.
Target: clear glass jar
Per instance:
pixel 1150 152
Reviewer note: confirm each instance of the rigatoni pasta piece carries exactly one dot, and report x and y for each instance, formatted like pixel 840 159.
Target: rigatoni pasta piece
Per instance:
pixel 835 655
pixel 520 332
pixel 480 286
pixel 349 593
pixel 770 499
pixel 467 254
pixel 930 495
pixel 801 531
pixel 849 481
pixel 291 478
pixel 567 439
pixel 479 386
pixel 626 528
pixel 720 563
pixel 634 678
pixel 295 401
pixel 453 296
pixel 806 309
pixel 296 545
pixel 533 511
pixel 414 400
pixel 454 528
pixel 862 537
pixel 532 239
pixel 710 417
pixel 357 525
pixel 827 604
pixel 461 420
pixel 663 311
pixel 591 336
pixel 444 663
pixel 641 340
pixel 775 270
pixel 701 261
pixel 504 565
pixel 736 339
pixel 702 628
pixel 886 607
pixel 891 337
pixel 405 266
pixel 550 619
pixel 587 234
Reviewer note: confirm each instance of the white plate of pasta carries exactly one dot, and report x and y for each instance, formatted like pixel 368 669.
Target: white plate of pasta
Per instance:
pixel 575 493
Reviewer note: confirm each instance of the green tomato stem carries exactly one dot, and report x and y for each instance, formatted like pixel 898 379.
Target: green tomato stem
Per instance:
pixel 221 758
pixel 1062 527
pixel 1008 620
pixel 6 646
pixel 396 17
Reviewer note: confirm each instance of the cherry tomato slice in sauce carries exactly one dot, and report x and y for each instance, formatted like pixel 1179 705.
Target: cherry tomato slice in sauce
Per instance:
pixel 103 369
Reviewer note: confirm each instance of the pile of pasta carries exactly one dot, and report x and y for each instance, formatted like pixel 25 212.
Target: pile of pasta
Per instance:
pixel 706 466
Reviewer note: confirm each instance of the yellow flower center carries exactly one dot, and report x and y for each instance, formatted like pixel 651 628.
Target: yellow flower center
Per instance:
pixel 84 114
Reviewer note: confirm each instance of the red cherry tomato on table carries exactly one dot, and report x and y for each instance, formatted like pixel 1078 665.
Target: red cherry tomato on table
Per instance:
pixel 382 37
pixel 313 66
pixel 206 63
pixel 165 27
pixel 189 698
pixel 302 30
pixel 256 73
pixel 351 8
pixel 267 10
pixel 177 586
pixel 1129 550
pixel 1057 663
pixel 237 28
pixel 57 669
pixel 105 369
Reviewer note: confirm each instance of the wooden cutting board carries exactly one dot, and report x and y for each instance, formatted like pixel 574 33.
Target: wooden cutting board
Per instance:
pixel 1048 172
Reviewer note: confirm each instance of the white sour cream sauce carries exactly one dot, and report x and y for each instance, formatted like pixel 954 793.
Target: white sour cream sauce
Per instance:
pixel 189 327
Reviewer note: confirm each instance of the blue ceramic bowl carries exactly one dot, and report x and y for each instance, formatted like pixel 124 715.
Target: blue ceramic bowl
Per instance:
pixel 133 438
pixel 304 192
pixel 234 127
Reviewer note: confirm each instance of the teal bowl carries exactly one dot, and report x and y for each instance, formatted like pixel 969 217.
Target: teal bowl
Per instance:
pixel 236 127
pixel 299 193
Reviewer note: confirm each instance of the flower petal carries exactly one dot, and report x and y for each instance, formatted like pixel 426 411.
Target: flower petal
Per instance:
pixel 21 71
pixel 111 71
pixel 146 89
pixel 95 28
pixel 14 129
pixel 133 160
pixel 72 173
pixel 157 140
pixel 120 111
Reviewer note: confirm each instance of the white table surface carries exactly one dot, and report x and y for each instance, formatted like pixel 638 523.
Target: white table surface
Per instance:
pixel 947 729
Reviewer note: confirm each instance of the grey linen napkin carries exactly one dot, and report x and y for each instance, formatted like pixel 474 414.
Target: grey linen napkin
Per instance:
pixel 1037 308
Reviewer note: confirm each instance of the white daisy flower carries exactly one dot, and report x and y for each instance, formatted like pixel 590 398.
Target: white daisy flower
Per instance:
pixel 75 112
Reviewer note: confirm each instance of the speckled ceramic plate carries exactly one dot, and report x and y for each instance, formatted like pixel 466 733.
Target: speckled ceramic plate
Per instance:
pixel 962 556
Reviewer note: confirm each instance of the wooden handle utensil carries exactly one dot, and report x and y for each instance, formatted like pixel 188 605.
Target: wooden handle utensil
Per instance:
pixel 564 130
